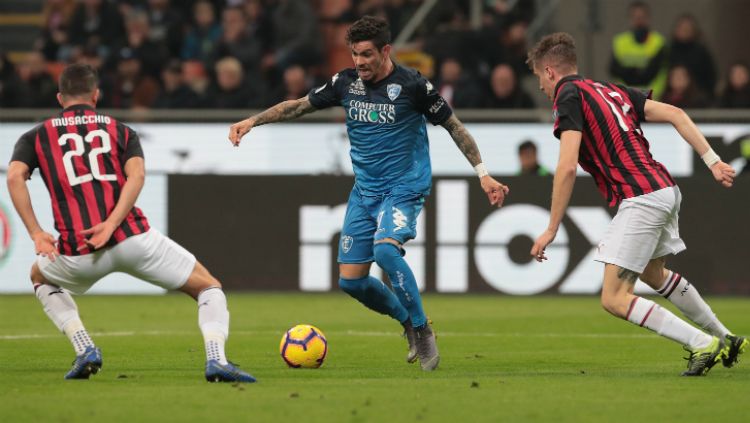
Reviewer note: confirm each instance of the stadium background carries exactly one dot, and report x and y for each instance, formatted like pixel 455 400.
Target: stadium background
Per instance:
pixel 265 216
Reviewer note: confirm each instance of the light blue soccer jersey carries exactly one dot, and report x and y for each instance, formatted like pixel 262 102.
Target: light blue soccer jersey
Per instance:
pixel 386 126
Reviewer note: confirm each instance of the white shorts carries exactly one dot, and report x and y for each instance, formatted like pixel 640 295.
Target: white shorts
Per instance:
pixel 644 228
pixel 150 256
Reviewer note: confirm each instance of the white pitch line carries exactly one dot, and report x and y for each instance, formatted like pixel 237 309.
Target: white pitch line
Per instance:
pixel 352 333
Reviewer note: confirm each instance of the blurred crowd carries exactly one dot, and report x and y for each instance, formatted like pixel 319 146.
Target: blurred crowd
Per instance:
pixel 255 53
pixel 680 70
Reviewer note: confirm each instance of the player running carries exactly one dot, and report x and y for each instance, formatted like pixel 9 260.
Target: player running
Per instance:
pixel 598 124
pixel 386 107
pixel 93 168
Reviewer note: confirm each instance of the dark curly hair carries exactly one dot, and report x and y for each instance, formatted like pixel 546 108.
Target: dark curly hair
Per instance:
pixel 558 49
pixel 369 28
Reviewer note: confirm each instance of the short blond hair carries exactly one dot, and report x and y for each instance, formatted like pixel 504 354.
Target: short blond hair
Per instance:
pixel 556 50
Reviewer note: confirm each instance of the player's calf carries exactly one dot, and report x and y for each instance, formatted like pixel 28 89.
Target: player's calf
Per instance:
pixel 616 305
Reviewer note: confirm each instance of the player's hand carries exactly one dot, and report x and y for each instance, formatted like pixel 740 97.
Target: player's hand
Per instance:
pixel 239 129
pixel 495 191
pixel 541 243
pixel 99 235
pixel 45 245
pixel 723 173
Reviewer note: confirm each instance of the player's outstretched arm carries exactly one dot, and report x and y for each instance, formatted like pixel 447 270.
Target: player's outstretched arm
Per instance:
pixel 495 190
pixel 286 110
pixel 562 189
pixel 18 174
pixel 656 111
pixel 99 234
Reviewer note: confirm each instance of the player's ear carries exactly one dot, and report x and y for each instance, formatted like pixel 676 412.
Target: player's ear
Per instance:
pixel 60 99
pixel 386 50
pixel 95 96
pixel 549 73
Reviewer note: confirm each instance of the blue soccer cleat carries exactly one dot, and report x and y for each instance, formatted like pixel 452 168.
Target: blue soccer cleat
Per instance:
pixel 86 364
pixel 217 372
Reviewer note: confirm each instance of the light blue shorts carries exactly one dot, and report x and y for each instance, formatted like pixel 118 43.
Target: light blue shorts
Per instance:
pixel 372 218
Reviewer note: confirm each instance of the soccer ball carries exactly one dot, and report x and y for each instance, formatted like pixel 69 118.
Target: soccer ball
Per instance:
pixel 303 346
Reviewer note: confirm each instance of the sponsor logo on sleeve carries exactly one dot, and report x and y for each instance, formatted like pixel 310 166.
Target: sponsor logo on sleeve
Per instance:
pixel 437 105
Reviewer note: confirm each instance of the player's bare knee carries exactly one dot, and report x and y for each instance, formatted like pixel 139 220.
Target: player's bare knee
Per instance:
pixel 354 270
pixel 389 241
pixel 36 275
pixel 654 273
pixel 208 281
pixel 199 280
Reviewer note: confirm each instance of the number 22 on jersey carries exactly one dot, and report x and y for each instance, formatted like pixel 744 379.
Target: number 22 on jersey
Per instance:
pixel 78 149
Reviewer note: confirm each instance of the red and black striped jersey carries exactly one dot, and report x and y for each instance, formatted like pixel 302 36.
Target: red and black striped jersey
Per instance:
pixel 81 156
pixel 613 148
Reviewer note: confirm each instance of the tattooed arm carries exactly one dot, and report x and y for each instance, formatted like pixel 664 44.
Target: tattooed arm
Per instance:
pixel 463 140
pixel 495 190
pixel 286 110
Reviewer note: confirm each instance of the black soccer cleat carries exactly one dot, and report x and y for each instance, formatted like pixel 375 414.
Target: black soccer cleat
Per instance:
pixel 736 345
pixel 702 360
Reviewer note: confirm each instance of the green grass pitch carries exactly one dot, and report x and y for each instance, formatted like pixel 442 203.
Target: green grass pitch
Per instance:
pixel 556 359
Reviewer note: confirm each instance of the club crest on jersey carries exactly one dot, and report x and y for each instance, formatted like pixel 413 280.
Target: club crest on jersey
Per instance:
pixel 346 243
pixel 357 87
pixel 393 91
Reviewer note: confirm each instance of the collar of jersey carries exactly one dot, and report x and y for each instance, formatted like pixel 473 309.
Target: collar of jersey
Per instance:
pixel 564 80
pixel 78 107
pixel 375 84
